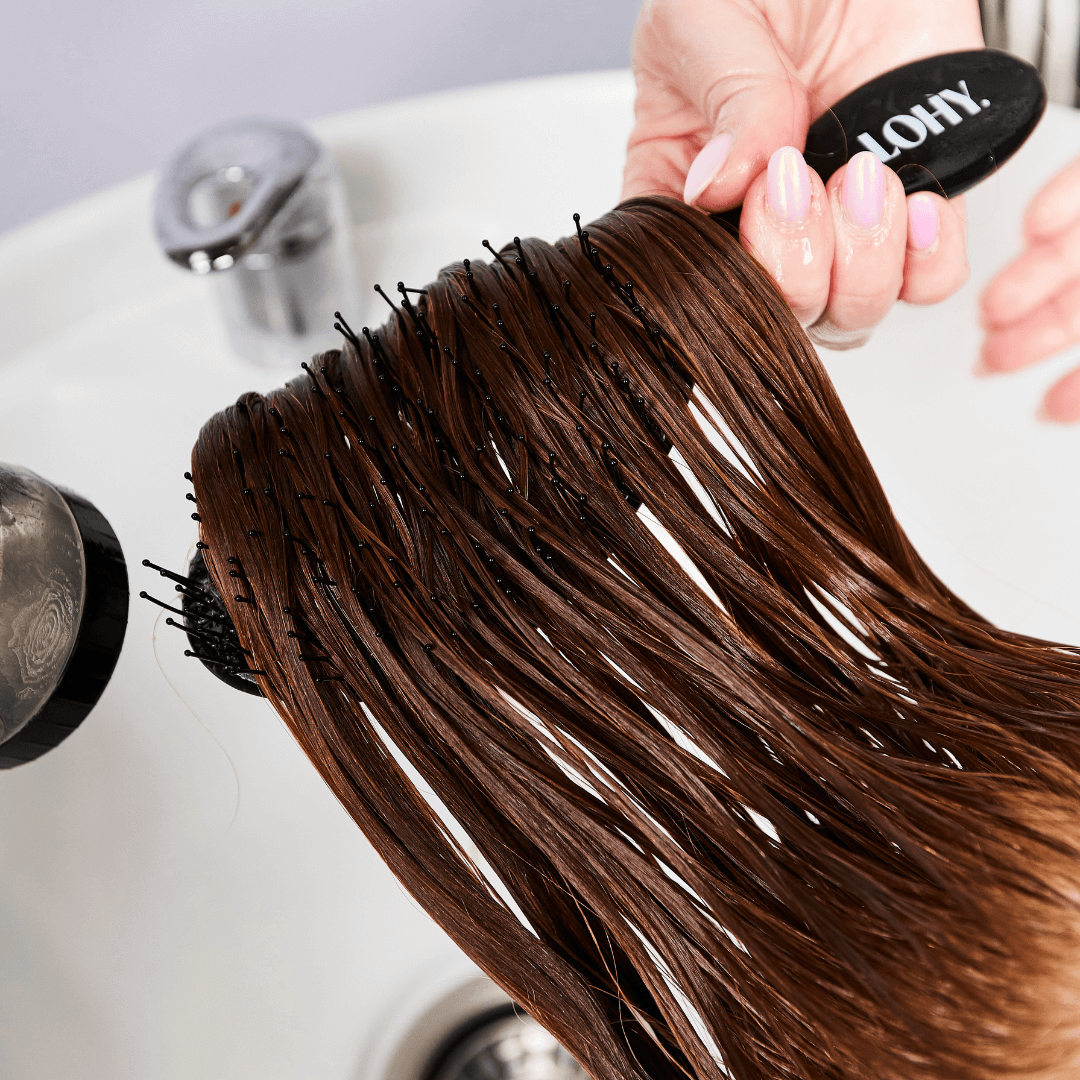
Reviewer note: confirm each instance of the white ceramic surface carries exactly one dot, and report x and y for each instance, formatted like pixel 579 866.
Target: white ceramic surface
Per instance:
pixel 180 896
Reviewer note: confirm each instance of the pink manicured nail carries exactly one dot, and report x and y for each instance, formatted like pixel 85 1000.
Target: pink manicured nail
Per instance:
pixel 864 190
pixel 706 166
pixel 922 215
pixel 788 192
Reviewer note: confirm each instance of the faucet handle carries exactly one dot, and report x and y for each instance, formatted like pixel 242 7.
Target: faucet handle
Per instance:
pixel 261 199
pixel 219 194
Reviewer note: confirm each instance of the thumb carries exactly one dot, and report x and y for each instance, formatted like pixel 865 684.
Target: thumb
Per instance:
pixel 715 99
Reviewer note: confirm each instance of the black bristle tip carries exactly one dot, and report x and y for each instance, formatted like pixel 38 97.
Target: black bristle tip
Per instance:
pixel 379 289
pixel 144 595
pixel 498 257
pixel 346 331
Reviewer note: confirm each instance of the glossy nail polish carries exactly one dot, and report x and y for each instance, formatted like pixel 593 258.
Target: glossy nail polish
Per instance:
pixel 863 193
pixel 922 222
pixel 706 166
pixel 787 193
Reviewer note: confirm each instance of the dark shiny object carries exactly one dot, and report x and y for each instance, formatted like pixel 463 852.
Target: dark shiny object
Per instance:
pixel 63 609
pixel 943 124
pixel 211 633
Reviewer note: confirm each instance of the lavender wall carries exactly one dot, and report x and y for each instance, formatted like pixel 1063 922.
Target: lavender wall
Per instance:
pixel 93 93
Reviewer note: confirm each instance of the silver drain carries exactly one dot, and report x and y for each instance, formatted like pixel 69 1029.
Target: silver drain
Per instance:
pixel 512 1047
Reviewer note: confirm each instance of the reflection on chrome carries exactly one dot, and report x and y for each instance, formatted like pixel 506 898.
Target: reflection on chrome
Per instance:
pixel 512 1047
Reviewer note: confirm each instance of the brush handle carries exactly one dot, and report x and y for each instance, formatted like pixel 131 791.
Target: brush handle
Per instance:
pixel 942 124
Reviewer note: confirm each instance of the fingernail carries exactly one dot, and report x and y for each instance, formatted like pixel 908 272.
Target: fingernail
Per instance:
pixel 706 166
pixel 864 190
pixel 788 191
pixel 922 221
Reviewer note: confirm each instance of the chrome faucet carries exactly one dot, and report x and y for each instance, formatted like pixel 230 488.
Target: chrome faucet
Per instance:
pixel 258 205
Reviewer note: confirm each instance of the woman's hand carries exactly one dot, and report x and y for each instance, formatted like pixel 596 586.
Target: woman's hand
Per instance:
pixel 1032 308
pixel 726 90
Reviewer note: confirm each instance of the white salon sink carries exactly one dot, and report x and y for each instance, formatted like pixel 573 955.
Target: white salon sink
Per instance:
pixel 180 896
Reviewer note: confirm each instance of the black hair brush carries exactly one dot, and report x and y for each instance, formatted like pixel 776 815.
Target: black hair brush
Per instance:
pixel 210 631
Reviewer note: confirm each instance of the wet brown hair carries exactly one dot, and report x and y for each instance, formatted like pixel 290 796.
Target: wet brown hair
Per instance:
pixel 796 811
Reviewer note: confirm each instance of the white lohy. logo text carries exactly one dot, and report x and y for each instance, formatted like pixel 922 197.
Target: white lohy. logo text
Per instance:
pixel 908 130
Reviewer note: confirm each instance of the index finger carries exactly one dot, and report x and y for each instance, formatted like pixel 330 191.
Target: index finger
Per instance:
pixel 706 71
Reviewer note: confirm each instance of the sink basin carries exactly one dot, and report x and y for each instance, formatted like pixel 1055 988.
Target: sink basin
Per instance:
pixel 180 895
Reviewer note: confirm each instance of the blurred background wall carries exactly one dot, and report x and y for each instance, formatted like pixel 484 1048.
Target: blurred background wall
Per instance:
pixel 92 93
